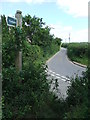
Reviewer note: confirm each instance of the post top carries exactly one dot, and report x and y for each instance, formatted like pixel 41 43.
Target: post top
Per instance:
pixel 18 12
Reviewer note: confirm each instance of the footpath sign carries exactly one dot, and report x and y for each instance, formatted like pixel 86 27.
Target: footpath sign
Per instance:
pixel 17 22
pixel 11 21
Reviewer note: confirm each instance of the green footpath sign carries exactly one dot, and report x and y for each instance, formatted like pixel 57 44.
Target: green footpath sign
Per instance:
pixel 11 21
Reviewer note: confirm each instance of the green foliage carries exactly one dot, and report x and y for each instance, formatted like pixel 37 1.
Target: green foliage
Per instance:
pixel 78 52
pixel 75 91
pixel 77 100
pixel 31 53
pixel 78 93
pixel 65 45
pixel 40 36
pixel 26 94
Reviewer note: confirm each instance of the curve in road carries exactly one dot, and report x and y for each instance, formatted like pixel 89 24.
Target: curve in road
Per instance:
pixel 61 65
pixel 61 68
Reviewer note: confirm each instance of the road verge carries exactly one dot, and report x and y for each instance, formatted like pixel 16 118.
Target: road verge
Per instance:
pixel 79 64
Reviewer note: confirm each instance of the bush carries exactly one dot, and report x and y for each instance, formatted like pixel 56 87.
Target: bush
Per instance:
pixel 78 52
pixel 77 100
pixel 65 45
pixel 26 93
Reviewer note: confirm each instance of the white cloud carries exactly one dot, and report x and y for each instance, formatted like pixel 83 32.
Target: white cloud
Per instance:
pixel 62 31
pixel 78 8
pixel 34 1
pixel 29 1
pixel 10 0
pixel 80 35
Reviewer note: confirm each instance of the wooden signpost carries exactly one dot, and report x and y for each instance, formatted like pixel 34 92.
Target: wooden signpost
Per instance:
pixel 16 22
pixel 18 61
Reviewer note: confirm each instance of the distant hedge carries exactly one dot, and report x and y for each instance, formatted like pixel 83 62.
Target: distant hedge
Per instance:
pixel 78 49
pixel 78 52
pixel 65 45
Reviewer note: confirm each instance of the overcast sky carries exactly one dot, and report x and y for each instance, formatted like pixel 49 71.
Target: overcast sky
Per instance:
pixel 63 16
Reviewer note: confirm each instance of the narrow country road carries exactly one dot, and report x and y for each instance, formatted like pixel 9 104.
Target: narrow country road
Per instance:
pixel 61 68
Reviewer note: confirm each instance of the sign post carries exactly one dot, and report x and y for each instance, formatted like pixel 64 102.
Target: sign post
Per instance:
pixel 17 22
pixel 18 61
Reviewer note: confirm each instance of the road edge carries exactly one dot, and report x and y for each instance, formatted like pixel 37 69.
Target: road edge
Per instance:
pixel 79 64
pixel 52 57
pixel 74 62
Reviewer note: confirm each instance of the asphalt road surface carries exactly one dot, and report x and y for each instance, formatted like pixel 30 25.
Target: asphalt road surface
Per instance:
pixel 61 68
